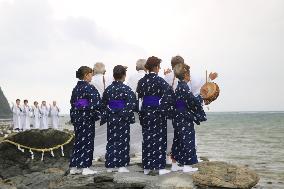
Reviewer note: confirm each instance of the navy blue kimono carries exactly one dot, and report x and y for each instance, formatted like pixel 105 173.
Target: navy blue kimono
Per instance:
pixel 157 106
pixel 119 103
pixel 188 109
pixel 85 106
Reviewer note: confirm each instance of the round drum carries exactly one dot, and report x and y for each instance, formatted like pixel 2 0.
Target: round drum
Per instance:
pixel 209 92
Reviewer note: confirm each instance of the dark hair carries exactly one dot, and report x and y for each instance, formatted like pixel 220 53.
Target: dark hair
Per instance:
pixel 82 71
pixel 26 101
pixel 119 71
pixel 35 102
pixel 177 60
pixel 152 62
pixel 18 100
pixel 180 70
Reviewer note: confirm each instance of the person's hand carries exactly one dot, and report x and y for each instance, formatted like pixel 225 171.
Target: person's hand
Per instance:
pixel 167 71
pixel 213 76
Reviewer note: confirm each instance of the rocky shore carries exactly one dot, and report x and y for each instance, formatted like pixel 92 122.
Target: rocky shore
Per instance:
pixel 19 171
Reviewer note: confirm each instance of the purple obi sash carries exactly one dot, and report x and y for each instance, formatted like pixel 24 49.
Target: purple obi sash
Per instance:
pixel 151 101
pixel 180 105
pixel 116 104
pixel 81 103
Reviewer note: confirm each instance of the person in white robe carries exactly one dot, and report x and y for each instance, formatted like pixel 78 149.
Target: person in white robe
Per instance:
pixel 54 115
pixel 136 129
pixel 100 80
pixel 44 111
pixel 141 71
pixel 36 116
pixel 26 124
pixel 17 111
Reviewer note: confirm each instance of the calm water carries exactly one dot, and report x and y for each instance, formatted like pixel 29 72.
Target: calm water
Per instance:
pixel 253 139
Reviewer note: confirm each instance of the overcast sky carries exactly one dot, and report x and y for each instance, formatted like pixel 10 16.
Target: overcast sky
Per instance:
pixel 43 42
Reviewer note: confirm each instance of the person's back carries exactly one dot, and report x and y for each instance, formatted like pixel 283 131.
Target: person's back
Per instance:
pixel 141 71
pixel 100 80
pixel 119 104
pixel 156 107
pixel 153 87
pixel 85 106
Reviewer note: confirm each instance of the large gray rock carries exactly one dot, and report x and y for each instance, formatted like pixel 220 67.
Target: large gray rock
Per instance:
pixel 224 175
pixel 13 162
pixel 5 111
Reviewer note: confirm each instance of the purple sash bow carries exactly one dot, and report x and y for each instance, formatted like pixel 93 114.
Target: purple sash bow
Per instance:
pixel 81 103
pixel 180 105
pixel 116 104
pixel 151 101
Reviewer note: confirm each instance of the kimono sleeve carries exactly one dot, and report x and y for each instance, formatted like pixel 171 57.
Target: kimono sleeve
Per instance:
pixel 95 102
pixel 195 106
pixel 104 108
pixel 72 100
pixel 130 105
pixel 167 100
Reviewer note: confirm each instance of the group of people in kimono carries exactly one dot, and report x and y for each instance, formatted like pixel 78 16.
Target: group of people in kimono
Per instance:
pixel 160 103
pixel 24 116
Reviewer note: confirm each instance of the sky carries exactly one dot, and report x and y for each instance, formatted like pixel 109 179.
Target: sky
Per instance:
pixel 43 43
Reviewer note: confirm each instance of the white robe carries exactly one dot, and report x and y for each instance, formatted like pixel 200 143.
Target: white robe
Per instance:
pixel 101 140
pixel 44 117
pixel 136 129
pixel 98 82
pixel 195 83
pixel 36 117
pixel 54 115
pixel 17 111
pixel 171 80
pixel 133 79
pixel 26 124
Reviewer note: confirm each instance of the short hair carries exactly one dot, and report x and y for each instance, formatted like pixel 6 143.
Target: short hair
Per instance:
pixel 82 71
pixel 180 70
pixel 119 71
pixel 35 102
pixel 177 60
pixel 152 62
pixel 26 101
pixel 18 100
pixel 140 64
pixel 99 68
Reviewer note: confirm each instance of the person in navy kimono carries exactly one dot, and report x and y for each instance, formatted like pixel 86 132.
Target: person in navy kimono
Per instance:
pixel 157 103
pixel 85 106
pixel 119 103
pixel 188 109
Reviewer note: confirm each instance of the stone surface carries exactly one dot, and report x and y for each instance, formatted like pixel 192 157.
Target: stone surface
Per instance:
pixel 224 175
pixel 5 111
pixel 14 162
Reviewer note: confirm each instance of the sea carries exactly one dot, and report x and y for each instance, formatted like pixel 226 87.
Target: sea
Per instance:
pixel 253 139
